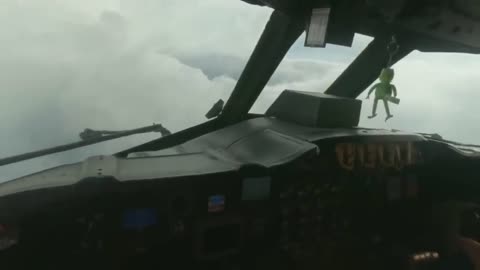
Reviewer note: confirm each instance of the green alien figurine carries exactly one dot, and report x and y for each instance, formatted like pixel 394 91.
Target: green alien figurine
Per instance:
pixel 383 91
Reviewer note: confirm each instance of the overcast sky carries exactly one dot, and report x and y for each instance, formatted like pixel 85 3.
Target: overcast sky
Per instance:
pixel 120 64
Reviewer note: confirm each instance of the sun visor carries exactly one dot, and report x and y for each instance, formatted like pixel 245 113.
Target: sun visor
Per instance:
pixel 316 109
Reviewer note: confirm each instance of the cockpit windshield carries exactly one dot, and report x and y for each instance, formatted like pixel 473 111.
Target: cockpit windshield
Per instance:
pixel 309 69
pixel 116 65
pixel 437 91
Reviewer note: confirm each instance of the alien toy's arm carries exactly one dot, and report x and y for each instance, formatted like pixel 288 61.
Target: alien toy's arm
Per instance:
pixel 371 90
pixel 394 90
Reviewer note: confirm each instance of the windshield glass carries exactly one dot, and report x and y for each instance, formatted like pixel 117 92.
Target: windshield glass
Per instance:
pixel 115 65
pixel 438 91
pixel 309 69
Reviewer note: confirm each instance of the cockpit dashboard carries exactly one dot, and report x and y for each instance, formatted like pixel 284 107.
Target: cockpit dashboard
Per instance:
pixel 338 203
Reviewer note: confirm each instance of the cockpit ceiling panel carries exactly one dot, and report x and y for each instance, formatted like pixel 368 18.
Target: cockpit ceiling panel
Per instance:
pixel 469 8
pixel 447 25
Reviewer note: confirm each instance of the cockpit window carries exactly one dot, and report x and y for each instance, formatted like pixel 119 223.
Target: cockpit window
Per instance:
pixel 309 69
pixel 437 91
pixel 438 95
pixel 114 65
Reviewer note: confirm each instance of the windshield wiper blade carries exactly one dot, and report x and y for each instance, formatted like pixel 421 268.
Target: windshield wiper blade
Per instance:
pixel 88 137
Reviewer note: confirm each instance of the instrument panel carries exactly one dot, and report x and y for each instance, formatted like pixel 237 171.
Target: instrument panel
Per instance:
pixel 340 205
pixel 352 200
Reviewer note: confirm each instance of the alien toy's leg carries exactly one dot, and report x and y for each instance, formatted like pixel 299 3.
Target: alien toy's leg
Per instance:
pixel 374 110
pixel 387 109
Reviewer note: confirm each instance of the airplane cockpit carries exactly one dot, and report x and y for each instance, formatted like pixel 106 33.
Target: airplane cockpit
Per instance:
pixel 299 187
pixel 319 196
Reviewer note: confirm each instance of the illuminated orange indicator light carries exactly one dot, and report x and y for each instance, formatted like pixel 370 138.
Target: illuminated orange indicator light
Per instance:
pixel 425 256
pixel 374 156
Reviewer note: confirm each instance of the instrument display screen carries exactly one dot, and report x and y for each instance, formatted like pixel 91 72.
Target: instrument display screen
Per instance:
pixel 139 218
pixel 256 188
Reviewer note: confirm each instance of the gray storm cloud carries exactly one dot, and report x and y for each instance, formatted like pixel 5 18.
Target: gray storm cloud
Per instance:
pixel 119 64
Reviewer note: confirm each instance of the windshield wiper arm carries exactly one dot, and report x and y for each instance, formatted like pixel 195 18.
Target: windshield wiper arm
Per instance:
pixel 88 137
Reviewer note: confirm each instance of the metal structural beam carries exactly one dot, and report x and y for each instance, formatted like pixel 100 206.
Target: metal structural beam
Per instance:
pixel 365 69
pixel 279 35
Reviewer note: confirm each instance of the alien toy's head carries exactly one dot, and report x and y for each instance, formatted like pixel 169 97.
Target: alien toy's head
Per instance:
pixel 386 76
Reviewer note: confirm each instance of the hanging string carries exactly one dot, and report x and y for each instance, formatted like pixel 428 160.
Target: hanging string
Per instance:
pixel 392 50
